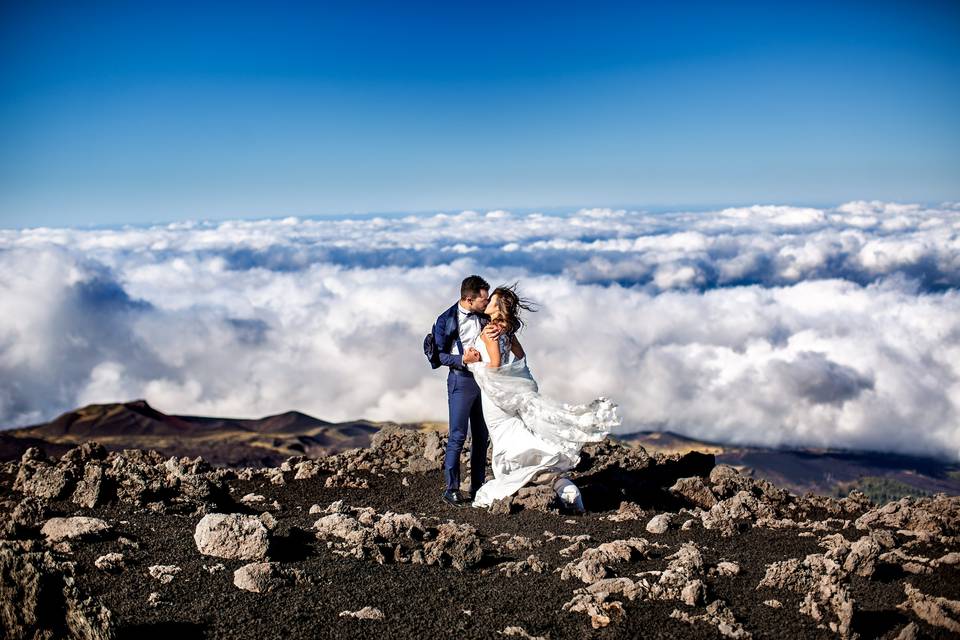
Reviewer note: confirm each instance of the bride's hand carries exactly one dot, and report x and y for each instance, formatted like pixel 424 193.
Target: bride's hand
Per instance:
pixel 492 330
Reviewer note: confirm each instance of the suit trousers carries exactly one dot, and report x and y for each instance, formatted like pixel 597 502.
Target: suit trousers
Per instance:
pixel 463 397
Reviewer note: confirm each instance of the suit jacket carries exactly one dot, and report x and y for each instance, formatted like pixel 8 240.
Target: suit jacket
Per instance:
pixel 446 332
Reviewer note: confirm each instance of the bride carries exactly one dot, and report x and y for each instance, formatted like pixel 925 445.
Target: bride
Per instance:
pixel 535 439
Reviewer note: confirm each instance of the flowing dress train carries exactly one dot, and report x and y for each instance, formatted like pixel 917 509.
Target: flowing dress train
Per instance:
pixel 533 436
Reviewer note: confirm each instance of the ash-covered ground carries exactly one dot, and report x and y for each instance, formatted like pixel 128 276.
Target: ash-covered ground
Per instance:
pixel 358 545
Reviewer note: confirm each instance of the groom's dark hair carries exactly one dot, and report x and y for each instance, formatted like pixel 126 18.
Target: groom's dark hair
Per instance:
pixel 471 287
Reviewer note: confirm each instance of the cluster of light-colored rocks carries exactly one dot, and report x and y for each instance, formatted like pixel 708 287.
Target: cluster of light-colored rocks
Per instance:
pixel 926 518
pixel 596 563
pixel 397 537
pixel 530 564
pixel 716 614
pixel 824 578
pixel 729 502
pixel 683 580
pixel 392 449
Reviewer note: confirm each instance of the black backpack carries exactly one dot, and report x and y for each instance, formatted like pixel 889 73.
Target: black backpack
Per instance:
pixel 432 350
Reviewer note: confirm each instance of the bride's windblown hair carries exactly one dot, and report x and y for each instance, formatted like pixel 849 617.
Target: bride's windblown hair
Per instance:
pixel 510 305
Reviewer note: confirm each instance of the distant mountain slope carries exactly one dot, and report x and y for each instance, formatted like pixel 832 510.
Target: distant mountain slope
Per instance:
pixel 226 441
pixel 823 471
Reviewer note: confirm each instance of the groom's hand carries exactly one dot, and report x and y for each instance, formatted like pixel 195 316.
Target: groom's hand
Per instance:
pixel 471 356
pixel 492 331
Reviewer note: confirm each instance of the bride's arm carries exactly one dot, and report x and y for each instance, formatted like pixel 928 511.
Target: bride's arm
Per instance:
pixel 493 350
pixel 515 347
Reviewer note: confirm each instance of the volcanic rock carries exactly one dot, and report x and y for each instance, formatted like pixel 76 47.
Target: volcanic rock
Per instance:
pixel 938 611
pixel 594 564
pixel 627 511
pixel 38 477
pixel 39 599
pixel 74 528
pixel 233 536
pixel 456 544
pixel 26 518
pixel 259 577
pixel 163 572
pixel 366 613
pixel 659 523
pixel 110 562
pixel 718 615
pixel 694 491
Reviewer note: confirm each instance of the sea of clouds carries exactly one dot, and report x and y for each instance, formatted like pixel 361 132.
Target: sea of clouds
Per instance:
pixel 769 325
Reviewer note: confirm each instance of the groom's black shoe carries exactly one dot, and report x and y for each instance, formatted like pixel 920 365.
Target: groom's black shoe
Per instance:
pixel 455 498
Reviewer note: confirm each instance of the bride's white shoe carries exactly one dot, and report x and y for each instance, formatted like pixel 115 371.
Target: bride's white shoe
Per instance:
pixel 569 494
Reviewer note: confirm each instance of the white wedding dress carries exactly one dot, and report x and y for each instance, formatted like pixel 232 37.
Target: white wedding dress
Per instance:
pixel 534 437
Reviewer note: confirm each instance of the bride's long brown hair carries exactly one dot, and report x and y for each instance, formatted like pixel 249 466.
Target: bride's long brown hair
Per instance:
pixel 510 304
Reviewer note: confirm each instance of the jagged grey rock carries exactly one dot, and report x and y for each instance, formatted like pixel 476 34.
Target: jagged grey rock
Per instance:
pixel 694 491
pixel 30 582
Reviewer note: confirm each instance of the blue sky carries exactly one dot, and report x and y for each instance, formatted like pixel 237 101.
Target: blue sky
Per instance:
pixel 127 112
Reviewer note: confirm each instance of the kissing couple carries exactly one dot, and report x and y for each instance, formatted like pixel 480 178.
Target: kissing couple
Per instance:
pixel 536 440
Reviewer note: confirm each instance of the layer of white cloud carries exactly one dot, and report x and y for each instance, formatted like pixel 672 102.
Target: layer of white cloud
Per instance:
pixel 766 324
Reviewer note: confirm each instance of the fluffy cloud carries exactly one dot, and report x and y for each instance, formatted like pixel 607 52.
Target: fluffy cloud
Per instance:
pixel 766 324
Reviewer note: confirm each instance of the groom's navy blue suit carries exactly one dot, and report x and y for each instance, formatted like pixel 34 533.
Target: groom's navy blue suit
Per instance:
pixel 463 398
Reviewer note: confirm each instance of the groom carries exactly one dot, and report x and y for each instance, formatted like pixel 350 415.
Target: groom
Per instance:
pixel 455 333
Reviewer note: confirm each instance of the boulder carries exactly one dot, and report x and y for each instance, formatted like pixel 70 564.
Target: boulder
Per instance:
pixel 37 477
pixel 232 535
pixel 26 518
pixel 660 523
pixel 90 490
pixel 259 577
pixel 455 544
pixel 398 527
pixel 338 525
pixel 694 491
pixel 627 511
pixel 537 497
pixel 74 528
